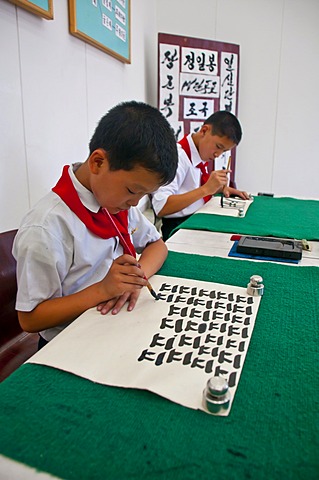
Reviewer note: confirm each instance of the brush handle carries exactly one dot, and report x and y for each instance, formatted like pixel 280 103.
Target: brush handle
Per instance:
pixel 118 232
pixel 149 286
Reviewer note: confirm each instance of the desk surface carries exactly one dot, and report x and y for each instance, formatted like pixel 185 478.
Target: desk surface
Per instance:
pixel 10 469
pixel 202 242
pixel 75 429
pixel 266 216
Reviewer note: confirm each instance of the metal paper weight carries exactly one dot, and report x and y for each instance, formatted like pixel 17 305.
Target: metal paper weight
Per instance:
pixel 240 212
pixel 216 396
pixel 255 287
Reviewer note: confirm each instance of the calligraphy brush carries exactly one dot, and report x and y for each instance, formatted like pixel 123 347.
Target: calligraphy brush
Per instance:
pixel 222 197
pixel 149 286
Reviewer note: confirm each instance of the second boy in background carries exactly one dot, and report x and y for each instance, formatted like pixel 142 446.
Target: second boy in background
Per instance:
pixel 189 190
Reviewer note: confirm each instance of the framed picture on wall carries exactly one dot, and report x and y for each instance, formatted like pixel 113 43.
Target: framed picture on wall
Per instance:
pixel 43 8
pixel 105 24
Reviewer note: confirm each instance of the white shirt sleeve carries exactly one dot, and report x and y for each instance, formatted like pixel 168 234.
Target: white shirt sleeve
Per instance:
pixel 187 178
pixel 43 261
pixel 141 229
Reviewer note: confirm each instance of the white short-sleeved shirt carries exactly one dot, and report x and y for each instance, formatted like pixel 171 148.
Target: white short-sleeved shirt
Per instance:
pixel 57 255
pixel 187 178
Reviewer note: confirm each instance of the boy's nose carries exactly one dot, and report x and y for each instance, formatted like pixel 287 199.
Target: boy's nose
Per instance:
pixel 133 202
pixel 218 153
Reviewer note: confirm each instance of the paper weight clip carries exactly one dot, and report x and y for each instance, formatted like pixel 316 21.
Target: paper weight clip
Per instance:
pixel 255 287
pixel 216 396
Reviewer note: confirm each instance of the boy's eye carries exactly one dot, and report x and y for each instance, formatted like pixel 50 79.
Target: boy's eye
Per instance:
pixel 130 191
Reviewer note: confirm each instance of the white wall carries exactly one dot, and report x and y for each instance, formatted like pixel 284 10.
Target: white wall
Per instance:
pixel 278 83
pixel 54 88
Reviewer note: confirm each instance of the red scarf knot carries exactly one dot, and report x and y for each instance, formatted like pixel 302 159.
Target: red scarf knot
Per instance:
pixel 97 222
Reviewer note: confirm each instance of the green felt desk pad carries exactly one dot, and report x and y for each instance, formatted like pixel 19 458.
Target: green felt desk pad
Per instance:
pixel 77 429
pixel 278 217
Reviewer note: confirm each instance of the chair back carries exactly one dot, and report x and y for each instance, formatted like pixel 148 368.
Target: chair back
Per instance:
pixel 9 323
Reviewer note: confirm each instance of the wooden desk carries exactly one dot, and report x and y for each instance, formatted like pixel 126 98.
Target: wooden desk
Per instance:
pixel 76 429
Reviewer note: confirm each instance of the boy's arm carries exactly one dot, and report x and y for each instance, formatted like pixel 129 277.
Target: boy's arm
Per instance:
pixel 176 203
pixel 153 257
pixel 123 276
pixel 233 191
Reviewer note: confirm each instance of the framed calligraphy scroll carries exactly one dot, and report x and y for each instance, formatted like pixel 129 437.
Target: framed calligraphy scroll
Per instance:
pixel 195 79
pixel 105 24
pixel 43 8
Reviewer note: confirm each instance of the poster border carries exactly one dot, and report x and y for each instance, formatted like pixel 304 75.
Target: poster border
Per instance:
pixel 74 30
pixel 33 8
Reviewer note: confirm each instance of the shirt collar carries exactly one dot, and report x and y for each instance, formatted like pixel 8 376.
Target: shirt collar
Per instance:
pixel 196 160
pixel 86 197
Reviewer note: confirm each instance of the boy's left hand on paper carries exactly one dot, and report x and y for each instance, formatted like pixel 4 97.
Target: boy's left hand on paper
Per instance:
pixel 116 304
pixel 227 191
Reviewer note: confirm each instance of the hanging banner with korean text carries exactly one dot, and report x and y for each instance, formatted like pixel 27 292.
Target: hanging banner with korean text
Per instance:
pixel 197 78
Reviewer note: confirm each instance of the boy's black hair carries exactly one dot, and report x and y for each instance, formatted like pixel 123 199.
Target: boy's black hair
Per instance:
pixel 136 134
pixel 225 124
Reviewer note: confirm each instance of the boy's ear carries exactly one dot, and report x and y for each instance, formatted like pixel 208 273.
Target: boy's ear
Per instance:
pixel 204 129
pixel 97 160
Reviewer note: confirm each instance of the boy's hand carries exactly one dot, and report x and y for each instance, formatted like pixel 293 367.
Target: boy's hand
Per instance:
pixel 233 191
pixel 217 180
pixel 124 276
pixel 116 304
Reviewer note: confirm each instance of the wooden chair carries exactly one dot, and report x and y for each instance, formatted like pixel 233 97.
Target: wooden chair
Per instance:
pixel 16 346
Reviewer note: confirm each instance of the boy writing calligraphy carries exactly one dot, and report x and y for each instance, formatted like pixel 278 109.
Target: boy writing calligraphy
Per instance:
pixel 69 255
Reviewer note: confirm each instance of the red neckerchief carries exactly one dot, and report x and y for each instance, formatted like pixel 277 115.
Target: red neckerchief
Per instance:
pixel 98 223
pixel 202 166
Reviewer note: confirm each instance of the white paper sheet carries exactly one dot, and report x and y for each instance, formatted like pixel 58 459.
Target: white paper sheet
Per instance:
pixel 171 346
pixel 230 209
